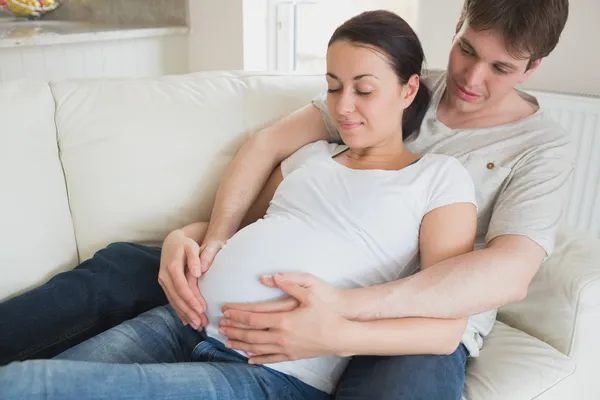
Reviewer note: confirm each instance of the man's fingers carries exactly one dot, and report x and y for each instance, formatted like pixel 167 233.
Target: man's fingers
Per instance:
pixel 254 320
pixel 267 280
pixel 300 293
pixel 268 359
pixel 284 305
pixel 299 278
pixel 254 349
pixel 249 336
pixel 233 324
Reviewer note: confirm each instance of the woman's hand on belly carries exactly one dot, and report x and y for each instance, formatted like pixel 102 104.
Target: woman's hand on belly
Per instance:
pixel 303 326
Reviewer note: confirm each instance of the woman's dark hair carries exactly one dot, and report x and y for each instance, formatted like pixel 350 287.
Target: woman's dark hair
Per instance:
pixel 391 35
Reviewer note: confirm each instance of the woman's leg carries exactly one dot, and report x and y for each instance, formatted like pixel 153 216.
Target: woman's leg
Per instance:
pixel 420 377
pixel 183 366
pixel 64 379
pixel 118 283
pixel 156 336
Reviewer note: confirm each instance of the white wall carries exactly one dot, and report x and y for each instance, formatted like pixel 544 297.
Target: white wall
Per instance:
pixel 216 39
pixel 572 67
pixel 255 35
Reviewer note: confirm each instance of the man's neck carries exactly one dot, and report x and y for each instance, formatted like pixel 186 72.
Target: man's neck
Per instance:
pixel 511 109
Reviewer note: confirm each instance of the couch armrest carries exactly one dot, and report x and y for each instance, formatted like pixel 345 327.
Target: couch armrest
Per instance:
pixel 562 307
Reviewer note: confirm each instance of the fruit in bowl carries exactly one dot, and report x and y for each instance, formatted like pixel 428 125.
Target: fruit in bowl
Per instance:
pixel 29 8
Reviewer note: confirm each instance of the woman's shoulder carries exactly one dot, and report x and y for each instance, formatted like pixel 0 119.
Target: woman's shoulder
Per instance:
pixel 308 153
pixel 440 161
pixel 323 147
pixel 444 171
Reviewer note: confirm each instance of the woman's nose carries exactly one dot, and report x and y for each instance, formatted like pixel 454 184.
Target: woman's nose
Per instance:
pixel 345 104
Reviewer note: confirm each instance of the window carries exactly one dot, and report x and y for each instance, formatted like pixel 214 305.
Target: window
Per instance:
pixel 298 30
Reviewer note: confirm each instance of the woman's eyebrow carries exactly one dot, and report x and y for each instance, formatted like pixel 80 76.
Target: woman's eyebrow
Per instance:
pixel 357 77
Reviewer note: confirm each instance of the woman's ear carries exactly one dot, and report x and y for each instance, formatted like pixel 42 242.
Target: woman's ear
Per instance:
pixel 410 89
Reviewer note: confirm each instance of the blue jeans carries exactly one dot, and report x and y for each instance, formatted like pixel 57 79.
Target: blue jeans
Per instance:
pixel 151 356
pixel 118 283
pixel 415 377
pixel 121 281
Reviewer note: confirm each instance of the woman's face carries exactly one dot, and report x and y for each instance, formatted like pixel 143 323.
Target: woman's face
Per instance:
pixel 365 97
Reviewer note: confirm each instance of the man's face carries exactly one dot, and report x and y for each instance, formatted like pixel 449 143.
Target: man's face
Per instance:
pixel 481 72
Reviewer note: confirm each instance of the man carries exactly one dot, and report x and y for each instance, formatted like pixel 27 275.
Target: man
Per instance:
pixel 518 159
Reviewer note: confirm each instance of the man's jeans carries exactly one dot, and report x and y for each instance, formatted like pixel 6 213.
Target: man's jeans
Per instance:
pixel 118 283
pixel 121 281
pixel 153 356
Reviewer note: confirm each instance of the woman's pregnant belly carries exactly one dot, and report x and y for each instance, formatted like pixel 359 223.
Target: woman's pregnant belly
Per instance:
pixel 264 248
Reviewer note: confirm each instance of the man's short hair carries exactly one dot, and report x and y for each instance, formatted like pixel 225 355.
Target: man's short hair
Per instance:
pixel 530 28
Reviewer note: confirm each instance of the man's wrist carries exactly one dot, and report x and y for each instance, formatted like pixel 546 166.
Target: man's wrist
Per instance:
pixel 369 303
pixel 356 304
pixel 346 304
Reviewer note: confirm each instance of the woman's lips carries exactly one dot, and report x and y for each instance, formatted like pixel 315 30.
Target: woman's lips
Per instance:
pixel 348 126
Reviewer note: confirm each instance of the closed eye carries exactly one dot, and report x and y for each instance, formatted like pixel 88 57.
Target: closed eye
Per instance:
pixel 466 51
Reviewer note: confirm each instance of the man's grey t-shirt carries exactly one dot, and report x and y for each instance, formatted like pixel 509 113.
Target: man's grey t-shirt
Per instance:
pixel 520 172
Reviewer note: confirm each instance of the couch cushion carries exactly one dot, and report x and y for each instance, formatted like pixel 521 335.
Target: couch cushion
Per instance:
pixel 36 231
pixel 144 156
pixel 562 306
pixel 514 365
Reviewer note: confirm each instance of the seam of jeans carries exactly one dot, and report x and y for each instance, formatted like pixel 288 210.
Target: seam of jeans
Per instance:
pixel 88 324
pixel 211 354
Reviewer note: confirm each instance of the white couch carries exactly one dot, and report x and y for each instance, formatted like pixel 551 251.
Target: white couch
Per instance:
pixel 86 163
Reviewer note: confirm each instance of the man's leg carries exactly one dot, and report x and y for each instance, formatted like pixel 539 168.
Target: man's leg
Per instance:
pixel 118 283
pixel 422 377
pixel 156 337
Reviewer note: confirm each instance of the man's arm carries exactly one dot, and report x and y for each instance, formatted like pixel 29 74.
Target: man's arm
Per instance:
pixel 455 288
pixel 256 160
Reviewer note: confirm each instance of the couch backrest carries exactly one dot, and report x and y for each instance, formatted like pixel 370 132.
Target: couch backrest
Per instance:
pixel 89 162
pixel 36 231
pixel 580 116
pixel 143 157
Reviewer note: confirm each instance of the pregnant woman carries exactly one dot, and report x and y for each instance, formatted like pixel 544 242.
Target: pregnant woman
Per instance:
pixel 354 214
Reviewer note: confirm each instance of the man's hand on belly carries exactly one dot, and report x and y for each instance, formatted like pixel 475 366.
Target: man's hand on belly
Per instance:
pixel 303 326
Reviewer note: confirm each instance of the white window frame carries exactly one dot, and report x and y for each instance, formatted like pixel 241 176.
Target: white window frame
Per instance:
pixel 282 27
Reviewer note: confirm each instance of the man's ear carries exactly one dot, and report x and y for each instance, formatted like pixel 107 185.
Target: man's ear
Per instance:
pixel 532 68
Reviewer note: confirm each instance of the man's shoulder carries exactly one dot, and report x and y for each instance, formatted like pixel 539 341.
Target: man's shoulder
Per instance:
pixel 548 131
pixel 433 77
pixel 548 142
